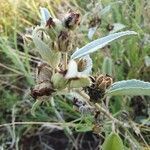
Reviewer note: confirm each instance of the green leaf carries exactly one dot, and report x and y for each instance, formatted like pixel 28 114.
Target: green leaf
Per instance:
pixel 99 43
pixel 52 57
pixel 113 142
pixel 107 66
pixel 80 82
pixel 129 87
pixel 59 82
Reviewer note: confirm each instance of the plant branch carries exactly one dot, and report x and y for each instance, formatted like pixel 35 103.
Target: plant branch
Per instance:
pixel 111 117
pixel 38 123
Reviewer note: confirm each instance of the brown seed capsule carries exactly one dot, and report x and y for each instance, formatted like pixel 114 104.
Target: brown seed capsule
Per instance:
pixel 43 89
pixel 103 82
pixel 102 85
pixel 64 41
pixel 109 81
pixel 72 20
pixel 44 73
pixel 43 86
pixel 82 63
pixel 50 23
pixel 95 94
pixel 99 85
pixel 99 80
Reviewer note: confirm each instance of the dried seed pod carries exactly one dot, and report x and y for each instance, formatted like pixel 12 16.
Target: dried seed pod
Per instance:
pixel 103 82
pixel 43 86
pixel 50 23
pixel 82 63
pixel 43 89
pixel 102 85
pixel 109 81
pixel 95 94
pixel 99 80
pixel 64 41
pixel 72 20
pixel 44 73
pixel 99 84
pixel 53 27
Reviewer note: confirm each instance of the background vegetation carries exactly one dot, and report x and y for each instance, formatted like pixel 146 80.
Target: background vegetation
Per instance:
pixel 18 59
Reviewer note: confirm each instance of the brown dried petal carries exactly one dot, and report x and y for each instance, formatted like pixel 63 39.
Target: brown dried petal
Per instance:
pixel 95 94
pixel 102 85
pixel 64 41
pixel 50 23
pixel 44 73
pixel 109 81
pixel 99 84
pixel 99 80
pixel 43 89
pixel 72 20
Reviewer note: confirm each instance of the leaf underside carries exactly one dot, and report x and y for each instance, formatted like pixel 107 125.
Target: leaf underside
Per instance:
pixel 129 87
pixel 99 43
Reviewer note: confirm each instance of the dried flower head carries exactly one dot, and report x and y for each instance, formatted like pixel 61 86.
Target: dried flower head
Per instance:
pixel 82 63
pixel 43 73
pixel 44 86
pixel 50 23
pixel 99 85
pixel 72 20
pixel 64 41
pixel 43 89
